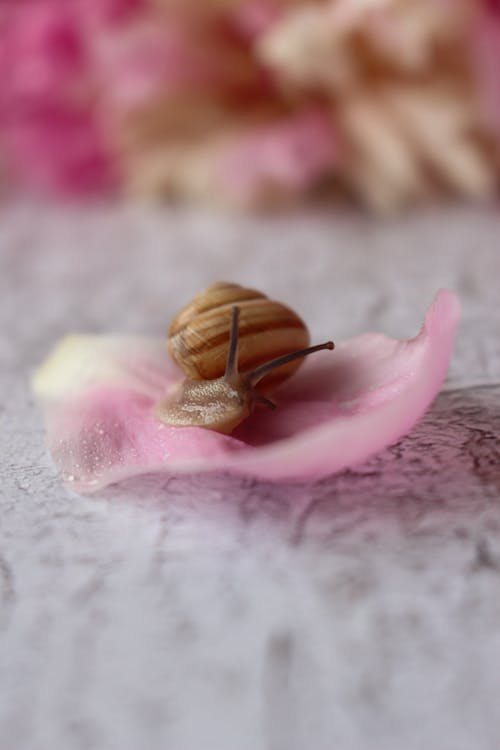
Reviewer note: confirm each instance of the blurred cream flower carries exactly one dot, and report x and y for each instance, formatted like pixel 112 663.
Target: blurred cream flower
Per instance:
pixel 405 142
pixel 396 76
pixel 335 44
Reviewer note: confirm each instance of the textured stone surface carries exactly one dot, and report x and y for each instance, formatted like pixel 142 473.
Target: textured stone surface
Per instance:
pixel 224 614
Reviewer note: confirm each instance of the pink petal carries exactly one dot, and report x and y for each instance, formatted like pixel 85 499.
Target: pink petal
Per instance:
pixel 48 126
pixel 111 12
pixel 485 49
pixel 339 409
pixel 155 57
pixel 290 154
pixel 62 151
pixel 43 52
pixel 252 18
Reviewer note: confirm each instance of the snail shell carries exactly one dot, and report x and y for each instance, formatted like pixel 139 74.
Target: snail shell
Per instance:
pixel 198 336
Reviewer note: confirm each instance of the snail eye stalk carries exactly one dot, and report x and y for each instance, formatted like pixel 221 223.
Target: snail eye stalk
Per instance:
pixel 232 354
pixel 264 369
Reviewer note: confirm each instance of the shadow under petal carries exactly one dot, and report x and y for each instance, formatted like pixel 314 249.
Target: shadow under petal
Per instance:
pixel 448 465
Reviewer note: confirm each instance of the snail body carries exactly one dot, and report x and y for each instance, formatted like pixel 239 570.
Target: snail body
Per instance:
pixel 227 340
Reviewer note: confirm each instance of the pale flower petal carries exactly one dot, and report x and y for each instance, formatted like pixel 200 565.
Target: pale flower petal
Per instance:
pixel 99 394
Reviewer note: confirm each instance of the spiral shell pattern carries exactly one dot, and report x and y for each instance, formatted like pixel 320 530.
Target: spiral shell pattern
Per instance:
pixel 198 336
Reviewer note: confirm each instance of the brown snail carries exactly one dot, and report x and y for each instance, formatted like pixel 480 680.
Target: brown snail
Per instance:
pixel 228 340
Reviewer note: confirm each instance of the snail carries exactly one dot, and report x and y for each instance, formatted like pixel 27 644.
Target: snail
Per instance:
pixel 228 340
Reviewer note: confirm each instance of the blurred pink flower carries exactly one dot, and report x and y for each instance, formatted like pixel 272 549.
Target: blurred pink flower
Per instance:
pixel 46 102
pixel 42 53
pixel 486 57
pixel 139 62
pixel 289 155
pixel 110 11
pixel 60 150
pixel 254 17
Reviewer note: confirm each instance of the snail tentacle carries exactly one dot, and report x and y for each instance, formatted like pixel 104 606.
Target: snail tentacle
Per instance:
pixel 267 367
pixel 232 353
pixel 265 401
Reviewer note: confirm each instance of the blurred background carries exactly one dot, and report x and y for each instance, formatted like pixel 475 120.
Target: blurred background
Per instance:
pixel 252 103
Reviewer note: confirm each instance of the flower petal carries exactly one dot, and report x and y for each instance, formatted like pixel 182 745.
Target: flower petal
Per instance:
pixel 372 395
pixel 99 394
pixel 485 45
pixel 289 155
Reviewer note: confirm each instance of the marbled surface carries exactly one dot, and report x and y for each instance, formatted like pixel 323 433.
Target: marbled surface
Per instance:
pixel 358 613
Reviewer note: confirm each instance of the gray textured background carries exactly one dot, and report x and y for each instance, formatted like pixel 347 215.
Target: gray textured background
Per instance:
pixel 358 613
